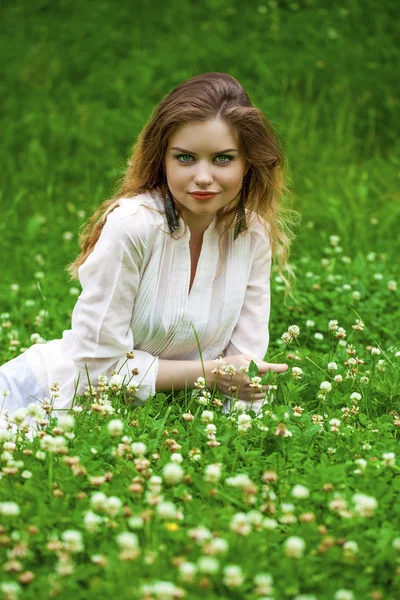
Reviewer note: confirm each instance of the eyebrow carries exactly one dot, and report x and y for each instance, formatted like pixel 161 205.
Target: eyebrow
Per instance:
pixel 213 153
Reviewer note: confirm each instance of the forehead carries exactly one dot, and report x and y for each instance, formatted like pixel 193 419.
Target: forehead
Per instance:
pixel 204 134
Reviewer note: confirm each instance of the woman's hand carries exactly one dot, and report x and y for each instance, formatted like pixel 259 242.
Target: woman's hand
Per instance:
pixel 235 382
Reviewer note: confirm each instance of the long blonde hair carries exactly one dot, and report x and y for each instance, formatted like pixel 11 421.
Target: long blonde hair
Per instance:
pixel 202 98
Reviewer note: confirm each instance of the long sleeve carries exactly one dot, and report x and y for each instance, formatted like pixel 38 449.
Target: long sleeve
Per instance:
pixel 102 315
pixel 250 335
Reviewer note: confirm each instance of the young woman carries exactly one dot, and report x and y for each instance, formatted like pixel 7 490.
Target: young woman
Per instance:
pixel 185 245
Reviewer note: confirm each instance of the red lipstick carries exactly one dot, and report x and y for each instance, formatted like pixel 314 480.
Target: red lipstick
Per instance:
pixel 203 195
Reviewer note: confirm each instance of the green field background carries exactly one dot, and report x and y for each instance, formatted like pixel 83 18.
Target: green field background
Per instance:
pixel 80 79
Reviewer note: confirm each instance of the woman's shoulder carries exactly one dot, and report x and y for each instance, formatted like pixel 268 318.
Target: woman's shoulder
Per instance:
pixel 258 228
pixel 139 215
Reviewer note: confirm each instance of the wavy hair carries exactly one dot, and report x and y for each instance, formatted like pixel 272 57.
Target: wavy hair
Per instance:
pixel 207 97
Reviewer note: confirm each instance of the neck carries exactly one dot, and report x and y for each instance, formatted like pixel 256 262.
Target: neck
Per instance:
pixel 198 224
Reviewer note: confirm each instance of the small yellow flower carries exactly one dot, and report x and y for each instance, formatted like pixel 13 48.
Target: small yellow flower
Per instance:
pixel 172 526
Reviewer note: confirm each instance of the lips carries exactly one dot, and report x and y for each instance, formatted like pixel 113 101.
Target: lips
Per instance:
pixel 203 195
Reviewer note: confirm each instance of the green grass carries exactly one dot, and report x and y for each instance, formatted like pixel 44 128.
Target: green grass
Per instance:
pixel 80 81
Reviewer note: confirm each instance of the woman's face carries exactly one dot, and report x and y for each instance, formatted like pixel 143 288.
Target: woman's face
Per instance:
pixel 205 157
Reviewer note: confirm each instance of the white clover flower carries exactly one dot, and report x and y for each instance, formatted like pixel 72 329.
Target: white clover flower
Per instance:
pixel 297 372
pixel 133 386
pixel 269 523
pixel 318 336
pixel 344 595
pixel 115 427
pixel 375 351
pixel 19 416
pixel 350 548
pixel 233 576
pixel 113 506
pixel 239 480
pixel 325 386
pixel 392 286
pixel 9 509
pixel 212 472
pixel 56 444
pixel 35 410
pixel 98 500
pixel 115 382
pixel 294 331
pixel 359 326
pixel 200 383
pixel 208 565
pixel 396 543
pixel 10 589
pixel 176 457
pixel 355 396
pixel 138 448
pixel 300 491
pixel 207 416
pixel 338 379
pixel 127 540
pixel 333 325
pixel 362 463
pixel 211 429
pixel 332 366
pixel 136 522
pixel 356 295
pixel 162 590
pixel 294 547
pixel 172 473
pixel 240 405
pixel 230 369
pixel 26 474
pixel 200 534
pixel 389 459
pixel 264 584
pixel 244 422
pixel 36 338
pixel 72 540
pixel 240 524
pixel 187 571
pixel 66 422
pixel 334 240
pixel 364 505
pixel 217 546
pixel 92 521
pixel 166 510
pixel 334 422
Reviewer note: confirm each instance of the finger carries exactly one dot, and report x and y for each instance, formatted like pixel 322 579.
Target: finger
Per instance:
pixel 276 367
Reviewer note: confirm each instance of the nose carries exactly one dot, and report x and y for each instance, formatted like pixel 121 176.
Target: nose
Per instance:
pixel 203 176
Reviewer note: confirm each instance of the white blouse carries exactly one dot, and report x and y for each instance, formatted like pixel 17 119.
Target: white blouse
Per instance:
pixel 135 297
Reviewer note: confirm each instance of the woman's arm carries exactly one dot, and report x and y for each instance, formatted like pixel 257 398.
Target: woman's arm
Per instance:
pixel 179 374
pixel 249 340
pixel 102 315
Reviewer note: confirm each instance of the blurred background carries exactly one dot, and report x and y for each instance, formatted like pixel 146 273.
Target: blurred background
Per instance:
pixel 80 79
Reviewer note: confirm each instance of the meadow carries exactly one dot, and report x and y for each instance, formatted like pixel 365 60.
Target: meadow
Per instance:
pixel 176 499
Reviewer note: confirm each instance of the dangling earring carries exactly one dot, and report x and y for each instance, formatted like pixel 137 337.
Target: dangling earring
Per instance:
pixel 240 221
pixel 172 217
